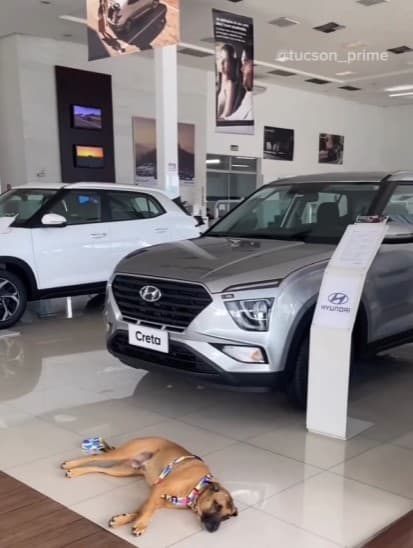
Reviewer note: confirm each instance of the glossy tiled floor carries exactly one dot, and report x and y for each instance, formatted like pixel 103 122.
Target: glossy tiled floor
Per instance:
pixel 294 490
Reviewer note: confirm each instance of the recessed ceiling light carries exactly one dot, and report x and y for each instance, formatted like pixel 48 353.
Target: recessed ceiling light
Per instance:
pixel 194 52
pixel 280 72
pixel 369 3
pixel 318 81
pixel 400 49
pixel 350 88
pixel 345 73
pixel 407 93
pixel 354 45
pixel 45 2
pixel 329 27
pixel 67 35
pixel 284 22
pixel 399 88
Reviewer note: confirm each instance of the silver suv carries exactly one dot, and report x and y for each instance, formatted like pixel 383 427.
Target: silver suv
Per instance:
pixel 235 306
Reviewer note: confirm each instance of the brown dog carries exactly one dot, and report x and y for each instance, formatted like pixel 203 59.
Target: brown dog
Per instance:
pixel 178 480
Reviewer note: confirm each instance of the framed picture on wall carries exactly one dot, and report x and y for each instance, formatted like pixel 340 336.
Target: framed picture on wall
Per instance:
pixel 331 149
pixel 84 117
pixel 89 157
pixel 278 144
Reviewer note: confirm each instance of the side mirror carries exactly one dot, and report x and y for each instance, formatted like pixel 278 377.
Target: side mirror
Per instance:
pixel 52 220
pixel 399 233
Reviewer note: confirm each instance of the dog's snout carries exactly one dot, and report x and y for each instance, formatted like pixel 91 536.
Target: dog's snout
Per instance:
pixel 211 523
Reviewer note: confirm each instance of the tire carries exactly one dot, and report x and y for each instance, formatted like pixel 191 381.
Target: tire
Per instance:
pixel 297 384
pixel 13 299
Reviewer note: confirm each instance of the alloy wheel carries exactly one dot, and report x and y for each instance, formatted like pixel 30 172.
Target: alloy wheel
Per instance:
pixel 9 299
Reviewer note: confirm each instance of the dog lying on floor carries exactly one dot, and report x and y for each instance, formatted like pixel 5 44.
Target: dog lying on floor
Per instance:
pixel 178 480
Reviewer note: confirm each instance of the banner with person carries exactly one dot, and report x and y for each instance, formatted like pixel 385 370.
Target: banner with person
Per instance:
pixel 120 27
pixel 234 45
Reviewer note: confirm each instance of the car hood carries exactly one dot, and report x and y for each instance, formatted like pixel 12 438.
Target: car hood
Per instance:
pixel 220 263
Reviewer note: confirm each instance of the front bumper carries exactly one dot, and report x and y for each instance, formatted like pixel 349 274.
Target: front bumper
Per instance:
pixel 195 351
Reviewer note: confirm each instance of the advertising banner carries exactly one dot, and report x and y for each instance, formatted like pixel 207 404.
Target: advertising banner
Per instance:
pixel 144 135
pixel 120 27
pixel 234 46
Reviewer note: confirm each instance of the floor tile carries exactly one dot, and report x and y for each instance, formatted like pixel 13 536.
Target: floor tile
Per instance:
pixel 242 416
pixel 387 467
pixel 31 440
pixel 46 476
pixel 341 510
pixel 252 474
pixel 255 528
pixel 295 442
pixel 196 440
pixel 105 418
pixel 405 441
pixel 166 528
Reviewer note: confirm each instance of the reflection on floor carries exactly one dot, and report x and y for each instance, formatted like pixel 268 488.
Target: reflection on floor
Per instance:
pixel 295 490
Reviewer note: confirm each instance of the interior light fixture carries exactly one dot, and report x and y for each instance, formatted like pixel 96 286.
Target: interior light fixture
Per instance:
pixel 406 94
pixel 400 88
pixel 345 73
pixel 213 161
pixel 73 19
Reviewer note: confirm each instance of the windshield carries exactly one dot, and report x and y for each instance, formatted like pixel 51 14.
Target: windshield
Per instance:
pixel 299 211
pixel 23 203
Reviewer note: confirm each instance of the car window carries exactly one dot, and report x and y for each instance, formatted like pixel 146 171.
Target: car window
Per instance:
pixel 131 206
pixel 23 204
pixel 400 207
pixel 291 211
pixel 79 207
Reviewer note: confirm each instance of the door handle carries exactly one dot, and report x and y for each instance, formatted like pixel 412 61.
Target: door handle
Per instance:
pixel 99 235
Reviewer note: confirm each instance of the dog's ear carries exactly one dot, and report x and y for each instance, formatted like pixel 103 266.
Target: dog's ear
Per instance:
pixel 215 487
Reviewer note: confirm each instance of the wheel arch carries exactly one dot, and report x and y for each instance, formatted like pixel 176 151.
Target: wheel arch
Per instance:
pixel 24 271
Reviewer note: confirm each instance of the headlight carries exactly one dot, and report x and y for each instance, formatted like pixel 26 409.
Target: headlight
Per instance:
pixel 251 315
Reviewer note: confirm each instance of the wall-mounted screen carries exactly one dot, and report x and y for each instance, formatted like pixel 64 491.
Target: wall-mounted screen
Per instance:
pixel 89 157
pixel 86 117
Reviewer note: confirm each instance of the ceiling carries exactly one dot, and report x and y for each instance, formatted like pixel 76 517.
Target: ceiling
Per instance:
pixel 369 31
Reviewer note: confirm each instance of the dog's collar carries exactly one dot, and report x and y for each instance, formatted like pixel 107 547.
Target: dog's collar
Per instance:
pixel 191 500
pixel 168 469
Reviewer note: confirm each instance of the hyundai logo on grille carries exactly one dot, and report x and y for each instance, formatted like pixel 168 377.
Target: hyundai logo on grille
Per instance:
pixel 150 294
pixel 338 299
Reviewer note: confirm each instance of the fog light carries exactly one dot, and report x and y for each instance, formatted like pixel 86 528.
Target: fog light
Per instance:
pixel 245 354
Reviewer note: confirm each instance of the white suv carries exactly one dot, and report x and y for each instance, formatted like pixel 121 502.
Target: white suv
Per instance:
pixel 65 240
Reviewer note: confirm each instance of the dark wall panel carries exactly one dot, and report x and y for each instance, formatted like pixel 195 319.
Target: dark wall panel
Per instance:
pixel 90 89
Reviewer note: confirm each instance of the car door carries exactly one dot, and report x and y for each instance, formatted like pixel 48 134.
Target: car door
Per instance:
pixel 79 253
pixel 392 273
pixel 137 220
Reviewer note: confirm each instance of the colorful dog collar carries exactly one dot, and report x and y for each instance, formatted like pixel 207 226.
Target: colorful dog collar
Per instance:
pixel 191 500
pixel 168 469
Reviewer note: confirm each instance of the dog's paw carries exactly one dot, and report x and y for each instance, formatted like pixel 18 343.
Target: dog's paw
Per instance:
pixel 118 521
pixel 138 530
pixel 69 474
pixel 63 466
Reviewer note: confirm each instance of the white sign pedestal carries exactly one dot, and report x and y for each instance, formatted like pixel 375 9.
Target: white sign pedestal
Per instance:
pixel 331 332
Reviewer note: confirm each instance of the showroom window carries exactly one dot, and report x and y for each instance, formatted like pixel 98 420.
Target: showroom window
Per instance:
pixel 229 180
pixel 79 207
pixel 400 206
pixel 129 206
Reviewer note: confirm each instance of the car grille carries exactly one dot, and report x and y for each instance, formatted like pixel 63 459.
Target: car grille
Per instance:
pixel 179 306
pixel 180 356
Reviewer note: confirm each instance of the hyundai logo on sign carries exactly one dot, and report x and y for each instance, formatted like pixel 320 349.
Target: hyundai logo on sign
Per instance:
pixel 339 299
pixel 150 294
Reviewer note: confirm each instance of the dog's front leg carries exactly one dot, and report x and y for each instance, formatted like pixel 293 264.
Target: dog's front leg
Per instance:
pixel 146 512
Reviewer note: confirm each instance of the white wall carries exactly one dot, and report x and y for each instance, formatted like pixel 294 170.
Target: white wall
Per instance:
pixel 375 137
pixel 309 114
pixel 12 145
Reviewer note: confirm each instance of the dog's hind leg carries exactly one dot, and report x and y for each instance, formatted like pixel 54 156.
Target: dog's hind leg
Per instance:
pixel 117 470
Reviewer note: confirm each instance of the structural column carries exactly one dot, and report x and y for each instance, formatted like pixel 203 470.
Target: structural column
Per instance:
pixel 166 69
